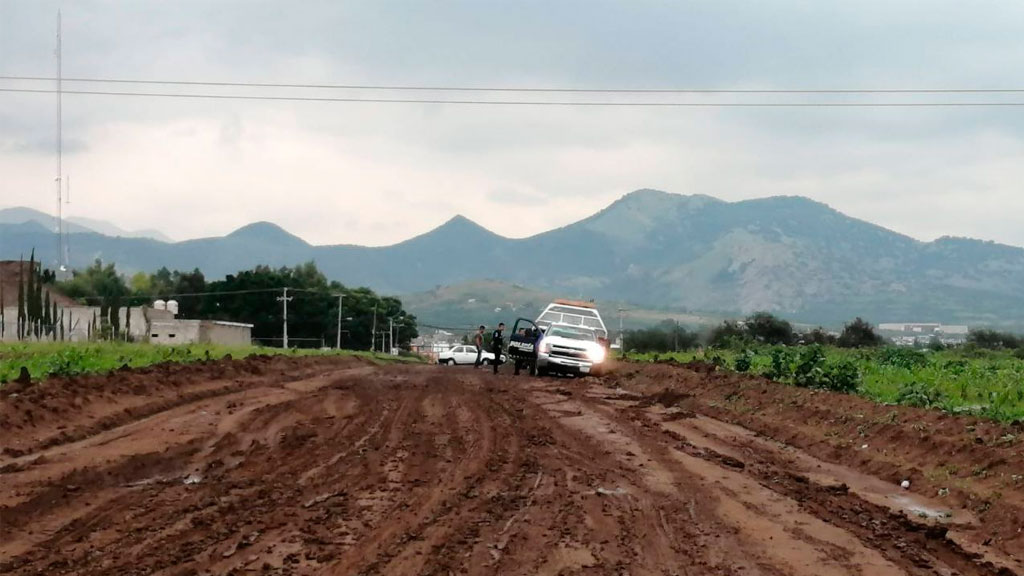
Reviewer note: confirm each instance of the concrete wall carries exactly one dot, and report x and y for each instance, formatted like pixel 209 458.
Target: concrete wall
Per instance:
pixel 226 334
pixel 200 331
pixel 174 332
pixel 77 320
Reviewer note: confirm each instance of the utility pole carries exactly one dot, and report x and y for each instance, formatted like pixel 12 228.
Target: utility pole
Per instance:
pixel 391 335
pixel 285 299
pixel 337 346
pixel 622 334
pixel 373 330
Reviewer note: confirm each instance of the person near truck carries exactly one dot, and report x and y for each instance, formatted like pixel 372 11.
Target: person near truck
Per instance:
pixel 497 343
pixel 478 341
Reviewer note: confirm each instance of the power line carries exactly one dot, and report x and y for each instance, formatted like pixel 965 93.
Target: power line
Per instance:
pixel 535 102
pixel 182 295
pixel 535 89
pixel 446 328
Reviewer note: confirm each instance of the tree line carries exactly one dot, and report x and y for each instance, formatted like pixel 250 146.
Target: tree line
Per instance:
pixel 758 328
pixel 768 329
pixel 251 296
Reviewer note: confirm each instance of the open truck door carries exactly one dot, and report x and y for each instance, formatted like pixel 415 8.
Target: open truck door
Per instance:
pixel 523 345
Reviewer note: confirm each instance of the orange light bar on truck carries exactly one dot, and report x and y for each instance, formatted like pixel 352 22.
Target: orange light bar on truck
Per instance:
pixel 576 303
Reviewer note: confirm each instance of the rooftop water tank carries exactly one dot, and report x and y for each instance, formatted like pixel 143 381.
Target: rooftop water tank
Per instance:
pixel 159 305
pixel 172 307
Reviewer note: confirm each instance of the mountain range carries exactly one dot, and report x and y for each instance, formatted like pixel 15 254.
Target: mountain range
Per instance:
pixel 788 255
pixel 76 224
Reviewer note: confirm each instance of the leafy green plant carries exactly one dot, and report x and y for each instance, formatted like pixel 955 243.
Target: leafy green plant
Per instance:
pixel 906 358
pixel 842 376
pixel 809 370
pixel 781 360
pixel 718 360
pixel 744 361
pixel 921 395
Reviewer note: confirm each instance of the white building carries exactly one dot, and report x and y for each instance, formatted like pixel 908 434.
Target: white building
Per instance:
pixel 911 333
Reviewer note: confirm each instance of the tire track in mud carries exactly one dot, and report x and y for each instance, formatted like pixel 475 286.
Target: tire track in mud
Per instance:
pixel 423 470
pixel 917 547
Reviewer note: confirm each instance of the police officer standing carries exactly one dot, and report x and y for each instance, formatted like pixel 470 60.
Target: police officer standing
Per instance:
pixel 497 343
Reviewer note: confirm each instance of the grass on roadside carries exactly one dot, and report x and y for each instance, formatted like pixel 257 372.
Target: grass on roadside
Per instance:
pixel 44 359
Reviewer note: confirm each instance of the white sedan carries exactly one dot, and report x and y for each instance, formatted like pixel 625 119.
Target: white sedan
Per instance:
pixel 465 354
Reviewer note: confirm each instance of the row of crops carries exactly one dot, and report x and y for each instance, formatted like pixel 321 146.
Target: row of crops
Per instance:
pixel 44 359
pixel 979 382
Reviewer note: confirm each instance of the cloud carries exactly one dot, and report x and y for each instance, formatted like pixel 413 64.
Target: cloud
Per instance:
pixel 377 174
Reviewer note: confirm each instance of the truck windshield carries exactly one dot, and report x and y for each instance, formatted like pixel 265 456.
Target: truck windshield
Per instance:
pixel 572 334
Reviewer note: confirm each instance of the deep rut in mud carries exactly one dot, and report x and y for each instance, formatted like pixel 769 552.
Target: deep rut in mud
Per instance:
pixel 362 469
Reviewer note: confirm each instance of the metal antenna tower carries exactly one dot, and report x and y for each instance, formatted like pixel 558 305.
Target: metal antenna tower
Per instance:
pixel 60 148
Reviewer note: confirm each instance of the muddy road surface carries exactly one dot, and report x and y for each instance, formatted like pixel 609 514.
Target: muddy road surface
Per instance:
pixel 288 466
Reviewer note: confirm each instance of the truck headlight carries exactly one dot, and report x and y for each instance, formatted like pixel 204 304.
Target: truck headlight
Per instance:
pixel 596 354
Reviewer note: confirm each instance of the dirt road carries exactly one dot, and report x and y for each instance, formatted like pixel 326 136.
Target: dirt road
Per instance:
pixel 285 466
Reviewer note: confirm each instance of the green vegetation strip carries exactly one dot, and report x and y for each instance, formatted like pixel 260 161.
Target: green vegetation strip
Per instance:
pixel 72 359
pixel 959 381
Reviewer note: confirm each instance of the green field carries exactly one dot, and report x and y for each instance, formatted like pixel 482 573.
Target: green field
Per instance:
pixel 959 381
pixel 45 359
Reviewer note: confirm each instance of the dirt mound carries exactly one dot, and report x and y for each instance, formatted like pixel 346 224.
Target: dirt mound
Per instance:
pixel 60 410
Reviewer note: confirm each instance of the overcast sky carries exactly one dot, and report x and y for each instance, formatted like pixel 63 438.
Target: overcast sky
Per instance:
pixel 380 173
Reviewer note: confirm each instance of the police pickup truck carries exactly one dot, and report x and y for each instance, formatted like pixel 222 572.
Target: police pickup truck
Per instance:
pixel 568 337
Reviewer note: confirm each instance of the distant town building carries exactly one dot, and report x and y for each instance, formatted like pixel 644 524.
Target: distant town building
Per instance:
pixel 432 344
pixel 918 333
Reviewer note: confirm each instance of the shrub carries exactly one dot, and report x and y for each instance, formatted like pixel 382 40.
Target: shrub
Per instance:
pixel 842 376
pixel 994 340
pixel 767 328
pixel 728 334
pixel 819 336
pixel 665 337
pixel 781 360
pixel 809 371
pixel 859 334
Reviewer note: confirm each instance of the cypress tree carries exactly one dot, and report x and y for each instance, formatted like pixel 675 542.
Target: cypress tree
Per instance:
pixel 30 296
pixel 116 317
pixel 53 316
pixel 47 320
pixel 21 298
pixel 39 307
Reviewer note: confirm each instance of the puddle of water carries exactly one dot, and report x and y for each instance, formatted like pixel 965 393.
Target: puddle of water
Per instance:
pixel 916 509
